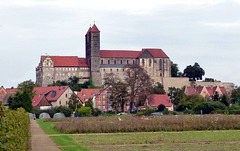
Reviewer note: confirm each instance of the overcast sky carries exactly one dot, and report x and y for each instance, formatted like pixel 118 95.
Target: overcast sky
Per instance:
pixel 189 31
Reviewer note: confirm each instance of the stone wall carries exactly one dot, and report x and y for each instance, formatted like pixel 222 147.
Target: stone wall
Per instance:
pixel 175 82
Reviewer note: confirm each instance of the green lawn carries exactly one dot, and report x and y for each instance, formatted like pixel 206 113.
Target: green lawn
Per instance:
pixel 146 141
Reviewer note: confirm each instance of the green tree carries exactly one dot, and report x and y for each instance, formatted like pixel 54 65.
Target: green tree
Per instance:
pixel 175 70
pixel 118 90
pixel 189 102
pixel 158 89
pixel 176 94
pixel 194 72
pixel 235 97
pixel 74 102
pixel 85 111
pixel 209 107
pixel 89 103
pixel 21 99
pixel 225 100
pixel 215 97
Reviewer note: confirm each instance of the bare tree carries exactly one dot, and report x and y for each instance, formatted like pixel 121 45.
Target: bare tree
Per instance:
pixel 139 82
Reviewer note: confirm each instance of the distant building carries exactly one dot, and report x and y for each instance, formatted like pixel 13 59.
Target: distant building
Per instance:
pixel 206 92
pixel 100 97
pixel 99 62
pixel 158 99
pixel 47 97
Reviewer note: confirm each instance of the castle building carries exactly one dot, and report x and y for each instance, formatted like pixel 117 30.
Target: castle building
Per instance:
pixel 99 62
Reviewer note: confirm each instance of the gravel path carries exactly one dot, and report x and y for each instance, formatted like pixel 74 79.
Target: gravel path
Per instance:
pixel 40 141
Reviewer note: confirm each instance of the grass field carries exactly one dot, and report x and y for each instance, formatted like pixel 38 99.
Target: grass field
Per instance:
pixel 146 141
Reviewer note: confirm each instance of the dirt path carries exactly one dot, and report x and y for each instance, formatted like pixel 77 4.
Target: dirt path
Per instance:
pixel 40 141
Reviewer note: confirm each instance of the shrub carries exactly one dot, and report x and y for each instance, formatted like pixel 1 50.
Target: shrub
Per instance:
pixel 208 107
pixel 165 111
pixel 149 110
pixel 84 111
pixel 14 129
pixel 97 112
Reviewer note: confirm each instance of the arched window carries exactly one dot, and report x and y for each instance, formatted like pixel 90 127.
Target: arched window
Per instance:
pixel 115 61
pixel 133 61
pixel 121 62
pixel 143 62
pixel 101 61
pixel 127 61
pixel 108 61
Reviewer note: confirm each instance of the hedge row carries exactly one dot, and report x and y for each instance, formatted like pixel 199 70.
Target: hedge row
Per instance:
pixel 14 129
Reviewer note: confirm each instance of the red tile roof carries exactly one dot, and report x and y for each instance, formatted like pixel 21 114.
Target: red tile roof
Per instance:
pixel 119 54
pixel 94 29
pixel 190 91
pixel 87 93
pixel 52 93
pixel 11 90
pixel 67 61
pixel 88 31
pixel 156 53
pixel 158 99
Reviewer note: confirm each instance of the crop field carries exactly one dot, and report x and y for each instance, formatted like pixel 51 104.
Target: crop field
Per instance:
pixel 168 139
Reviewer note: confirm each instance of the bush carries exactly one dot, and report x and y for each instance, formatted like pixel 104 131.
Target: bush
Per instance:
pixel 14 129
pixel 97 112
pixel 84 111
pixel 209 107
pixel 149 110
pixel 165 111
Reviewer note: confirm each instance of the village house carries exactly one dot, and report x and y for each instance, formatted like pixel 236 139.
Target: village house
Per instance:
pixel 156 99
pixel 100 97
pixel 47 97
pixel 206 92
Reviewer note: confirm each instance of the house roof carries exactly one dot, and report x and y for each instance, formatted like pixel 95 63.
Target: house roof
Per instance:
pixel 67 61
pixel 11 90
pixel 158 99
pixel 191 90
pixel 156 53
pixel 119 54
pixel 52 93
pixel 87 93
pixel 94 29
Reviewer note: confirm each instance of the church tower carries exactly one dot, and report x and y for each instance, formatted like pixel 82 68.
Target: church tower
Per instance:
pixel 93 54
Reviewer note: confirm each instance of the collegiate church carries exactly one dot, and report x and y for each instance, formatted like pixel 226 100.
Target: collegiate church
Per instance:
pixel 99 62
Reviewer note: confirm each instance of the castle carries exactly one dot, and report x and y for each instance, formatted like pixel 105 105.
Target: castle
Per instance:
pixel 99 62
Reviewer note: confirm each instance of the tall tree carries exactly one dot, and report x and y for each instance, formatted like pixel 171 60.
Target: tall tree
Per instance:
pixel 139 82
pixel 175 70
pixel 194 72
pixel 118 89
pixel 118 95
pixel 235 97
pixel 23 97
